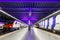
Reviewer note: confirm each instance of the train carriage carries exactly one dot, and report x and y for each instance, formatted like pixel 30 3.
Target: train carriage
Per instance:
pixel 52 22
pixel 57 23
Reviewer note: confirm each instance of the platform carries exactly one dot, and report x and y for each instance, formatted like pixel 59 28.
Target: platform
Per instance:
pixel 34 34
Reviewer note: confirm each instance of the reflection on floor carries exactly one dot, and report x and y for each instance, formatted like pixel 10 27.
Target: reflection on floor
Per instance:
pixel 34 34
pixel 30 35
pixel 17 35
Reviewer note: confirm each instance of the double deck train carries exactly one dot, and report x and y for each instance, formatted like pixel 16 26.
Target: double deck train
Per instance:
pixel 51 22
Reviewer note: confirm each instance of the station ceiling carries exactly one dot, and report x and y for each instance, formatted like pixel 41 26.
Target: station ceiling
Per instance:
pixel 21 10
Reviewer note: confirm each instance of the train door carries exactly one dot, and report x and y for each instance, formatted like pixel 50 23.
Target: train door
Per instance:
pixel 46 24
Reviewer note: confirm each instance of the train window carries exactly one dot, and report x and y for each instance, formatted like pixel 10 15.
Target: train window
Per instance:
pixel 46 23
pixel 51 21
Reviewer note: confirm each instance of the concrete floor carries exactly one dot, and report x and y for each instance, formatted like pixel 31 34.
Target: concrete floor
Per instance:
pixel 34 34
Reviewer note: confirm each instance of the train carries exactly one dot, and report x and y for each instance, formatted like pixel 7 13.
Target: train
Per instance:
pixel 9 23
pixel 11 26
pixel 36 25
pixel 51 22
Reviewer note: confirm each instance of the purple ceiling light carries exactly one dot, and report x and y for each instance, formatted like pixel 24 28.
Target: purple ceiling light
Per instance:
pixel 29 12
pixel 33 18
pixel 29 0
pixel 29 17
pixel 24 18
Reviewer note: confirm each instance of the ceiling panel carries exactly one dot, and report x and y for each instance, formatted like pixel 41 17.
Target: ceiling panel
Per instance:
pixel 21 10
